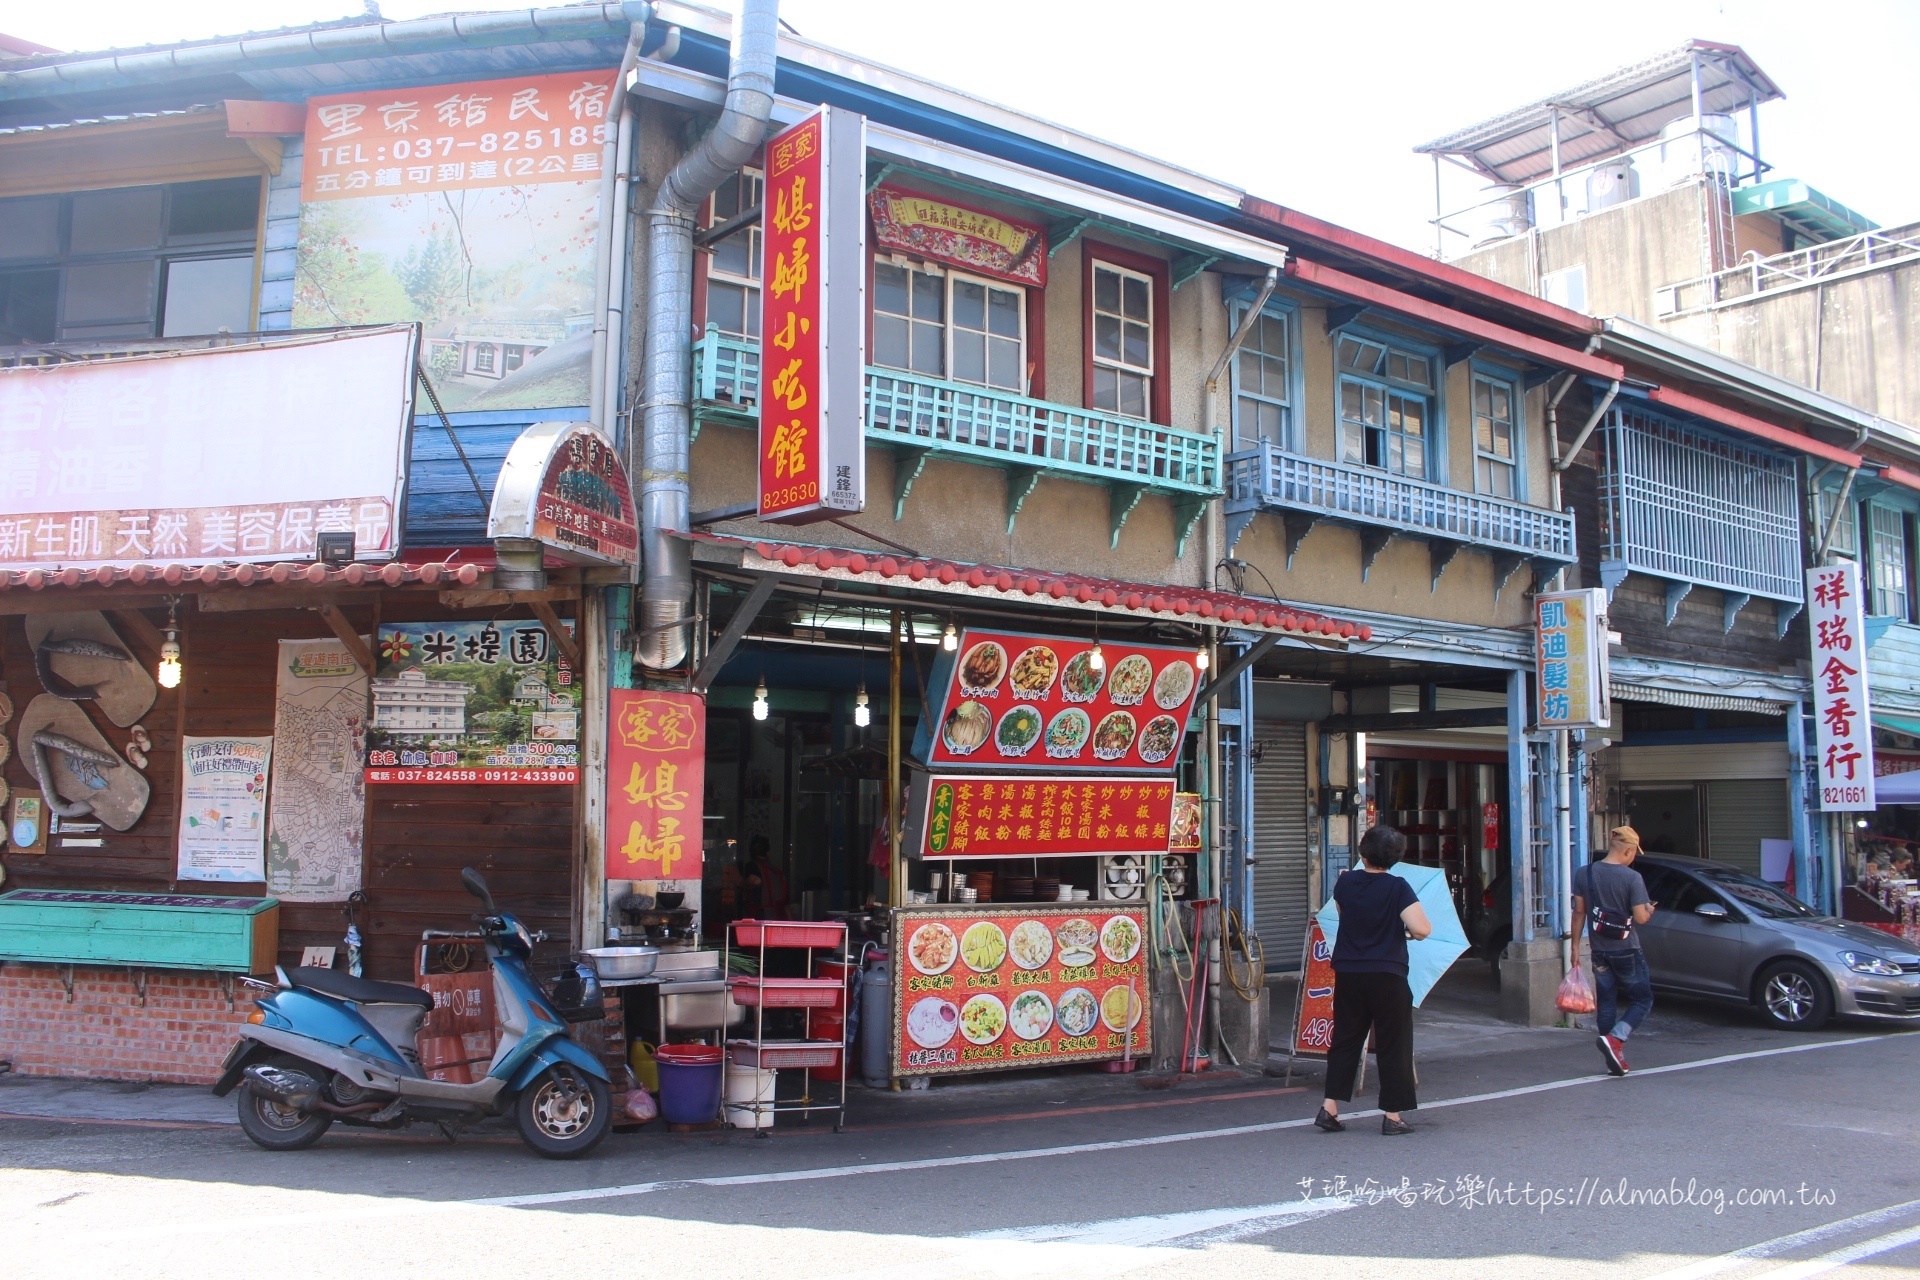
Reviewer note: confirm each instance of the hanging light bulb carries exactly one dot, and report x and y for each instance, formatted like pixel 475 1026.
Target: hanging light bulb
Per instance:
pixel 1097 657
pixel 1201 658
pixel 167 675
pixel 862 714
pixel 950 639
pixel 760 701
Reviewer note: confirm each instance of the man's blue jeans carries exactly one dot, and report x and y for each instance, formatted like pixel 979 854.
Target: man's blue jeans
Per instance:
pixel 1615 972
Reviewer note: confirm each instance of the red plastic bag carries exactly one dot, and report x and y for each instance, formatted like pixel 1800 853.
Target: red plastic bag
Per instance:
pixel 640 1106
pixel 1576 992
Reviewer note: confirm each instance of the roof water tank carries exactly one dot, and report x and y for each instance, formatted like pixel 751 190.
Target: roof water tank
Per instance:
pixel 1691 148
pixel 1611 183
pixel 1507 212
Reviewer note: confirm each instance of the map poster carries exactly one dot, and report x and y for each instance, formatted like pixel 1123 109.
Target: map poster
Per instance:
pixel 319 799
pixel 223 808
pixel 487 702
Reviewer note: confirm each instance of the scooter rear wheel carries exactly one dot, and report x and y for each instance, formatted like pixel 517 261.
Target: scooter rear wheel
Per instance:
pixel 564 1113
pixel 277 1127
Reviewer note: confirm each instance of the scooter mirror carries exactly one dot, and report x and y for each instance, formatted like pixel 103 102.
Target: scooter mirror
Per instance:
pixel 477 886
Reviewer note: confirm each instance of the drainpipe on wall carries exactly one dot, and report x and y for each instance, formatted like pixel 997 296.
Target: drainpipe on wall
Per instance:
pixel 666 590
pixel 611 247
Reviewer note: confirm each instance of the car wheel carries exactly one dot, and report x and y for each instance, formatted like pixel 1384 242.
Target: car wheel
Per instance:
pixel 1793 996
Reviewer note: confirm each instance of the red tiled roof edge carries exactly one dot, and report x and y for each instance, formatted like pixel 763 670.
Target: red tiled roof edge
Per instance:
pixel 1190 603
pixel 295 573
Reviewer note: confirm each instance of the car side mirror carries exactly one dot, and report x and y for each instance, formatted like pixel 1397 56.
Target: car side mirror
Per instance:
pixel 1712 911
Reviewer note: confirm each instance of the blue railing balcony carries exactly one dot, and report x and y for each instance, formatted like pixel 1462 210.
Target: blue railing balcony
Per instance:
pixel 1694 508
pixel 921 417
pixel 1303 492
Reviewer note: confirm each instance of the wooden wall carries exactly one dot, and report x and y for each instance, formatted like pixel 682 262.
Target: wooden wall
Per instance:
pixel 417 837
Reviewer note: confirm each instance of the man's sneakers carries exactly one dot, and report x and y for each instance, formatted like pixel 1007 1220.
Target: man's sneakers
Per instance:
pixel 1614 1053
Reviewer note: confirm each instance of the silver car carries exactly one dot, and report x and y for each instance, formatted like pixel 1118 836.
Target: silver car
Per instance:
pixel 1720 933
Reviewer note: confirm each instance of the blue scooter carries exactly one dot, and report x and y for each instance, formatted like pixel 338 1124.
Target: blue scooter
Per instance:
pixel 328 1046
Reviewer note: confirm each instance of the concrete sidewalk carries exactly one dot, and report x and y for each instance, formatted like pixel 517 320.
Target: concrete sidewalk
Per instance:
pixel 112 1101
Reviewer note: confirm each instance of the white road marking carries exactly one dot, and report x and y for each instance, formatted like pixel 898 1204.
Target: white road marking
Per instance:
pixel 1845 1257
pixel 1788 1243
pixel 1124 1144
pixel 1208 1225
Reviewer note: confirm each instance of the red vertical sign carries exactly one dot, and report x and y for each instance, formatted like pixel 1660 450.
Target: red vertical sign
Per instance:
pixel 656 779
pixel 1843 722
pixel 1313 1019
pixel 792 422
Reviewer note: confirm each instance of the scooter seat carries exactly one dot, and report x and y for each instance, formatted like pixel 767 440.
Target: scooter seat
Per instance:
pixel 344 986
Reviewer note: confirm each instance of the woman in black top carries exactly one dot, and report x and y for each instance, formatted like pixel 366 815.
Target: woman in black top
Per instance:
pixel 1378 913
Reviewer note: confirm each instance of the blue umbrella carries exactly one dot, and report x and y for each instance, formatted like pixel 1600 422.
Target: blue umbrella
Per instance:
pixel 1430 957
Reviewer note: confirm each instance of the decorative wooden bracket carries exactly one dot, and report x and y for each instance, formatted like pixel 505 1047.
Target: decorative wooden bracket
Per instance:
pixel 1730 608
pixel 564 640
pixel 1459 351
pixel 1784 612
pixel 1676 592
pixel 908 462
pixel 1063 233
pixel 139 977
pixel 348 636
pixel 1021 482
pixel 1189 265
pixel 1237 522
pixel 1440 554
pixel 1122 497
pixel 1298 525
pixel 1372 542
pixel 1186 516
pixel 1342 316
pixel 1505 565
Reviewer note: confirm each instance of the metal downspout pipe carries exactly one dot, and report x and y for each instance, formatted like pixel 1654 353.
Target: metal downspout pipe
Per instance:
pixel 666 591
pixel 601 405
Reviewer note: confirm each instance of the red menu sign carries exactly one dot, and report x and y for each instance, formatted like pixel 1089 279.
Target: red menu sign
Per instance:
pixel 1026 816
pixel 656 774
pixel 996 987
pixel 1842 720
pixel 1016 701
pixel 1313 1010
pixel 813 333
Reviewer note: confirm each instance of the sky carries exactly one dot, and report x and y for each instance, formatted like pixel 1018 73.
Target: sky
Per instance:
pixel 1316 106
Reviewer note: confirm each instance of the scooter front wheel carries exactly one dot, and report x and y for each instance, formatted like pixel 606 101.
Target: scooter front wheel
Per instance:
pixel 274 1125
pixel 564 1113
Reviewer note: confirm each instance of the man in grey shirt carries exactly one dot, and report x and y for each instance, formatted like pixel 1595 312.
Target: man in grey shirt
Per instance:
pixel 1610 901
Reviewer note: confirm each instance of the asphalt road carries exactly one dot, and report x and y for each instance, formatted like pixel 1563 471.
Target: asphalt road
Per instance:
pixel 1730 1151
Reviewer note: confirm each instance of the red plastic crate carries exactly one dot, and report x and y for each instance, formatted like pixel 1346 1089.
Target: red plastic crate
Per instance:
pixel 791 1053
pixel 787 993
pixel 788 933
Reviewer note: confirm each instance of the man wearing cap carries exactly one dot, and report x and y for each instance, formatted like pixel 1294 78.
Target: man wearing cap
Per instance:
pixel 1610 903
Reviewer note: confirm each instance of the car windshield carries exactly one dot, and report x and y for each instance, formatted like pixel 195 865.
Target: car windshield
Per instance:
pixel 1756 896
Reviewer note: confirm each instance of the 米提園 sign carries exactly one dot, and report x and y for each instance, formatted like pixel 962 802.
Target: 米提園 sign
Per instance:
pixel 491 702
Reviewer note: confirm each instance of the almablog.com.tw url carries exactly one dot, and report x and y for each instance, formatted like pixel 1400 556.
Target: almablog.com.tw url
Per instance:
pixel 1471 1191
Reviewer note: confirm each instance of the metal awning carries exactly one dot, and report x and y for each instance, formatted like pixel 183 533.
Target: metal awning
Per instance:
pixel 1696 701
pixel 1619 111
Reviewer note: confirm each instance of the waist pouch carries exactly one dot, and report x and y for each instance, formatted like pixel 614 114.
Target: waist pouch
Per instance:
pixel 1614 925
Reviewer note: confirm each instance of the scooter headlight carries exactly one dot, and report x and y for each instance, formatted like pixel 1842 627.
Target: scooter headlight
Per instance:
pixel 522 936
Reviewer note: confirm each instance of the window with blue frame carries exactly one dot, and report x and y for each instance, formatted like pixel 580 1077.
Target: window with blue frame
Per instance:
pixel 1386 405
pixel 1888 595
pixel 1496 435
pixel 1263 384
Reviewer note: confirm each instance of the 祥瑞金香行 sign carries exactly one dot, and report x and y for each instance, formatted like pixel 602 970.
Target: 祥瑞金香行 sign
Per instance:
pixel 1843 722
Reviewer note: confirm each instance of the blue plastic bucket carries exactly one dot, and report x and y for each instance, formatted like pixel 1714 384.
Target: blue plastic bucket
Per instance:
pixel 690 1082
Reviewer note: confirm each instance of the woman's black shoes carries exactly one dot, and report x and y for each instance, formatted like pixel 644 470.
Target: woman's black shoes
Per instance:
pixel 1394 1128
pixel 1327 1122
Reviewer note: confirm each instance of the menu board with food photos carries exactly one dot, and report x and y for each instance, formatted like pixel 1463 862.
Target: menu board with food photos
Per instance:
pixel 1015 701
pixel 993 988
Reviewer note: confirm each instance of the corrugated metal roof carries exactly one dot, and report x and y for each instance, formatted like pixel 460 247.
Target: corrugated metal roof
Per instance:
pixel 200 109
pixel 1621 110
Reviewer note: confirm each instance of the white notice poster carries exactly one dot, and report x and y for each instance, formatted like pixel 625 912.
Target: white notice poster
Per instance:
pixel 319 798
pixel 223 808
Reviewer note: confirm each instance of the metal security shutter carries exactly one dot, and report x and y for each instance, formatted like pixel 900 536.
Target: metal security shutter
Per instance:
pixel 1742 813
pixel 1280 841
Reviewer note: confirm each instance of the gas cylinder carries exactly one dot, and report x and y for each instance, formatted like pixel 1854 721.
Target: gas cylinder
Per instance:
pixel 876 1021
